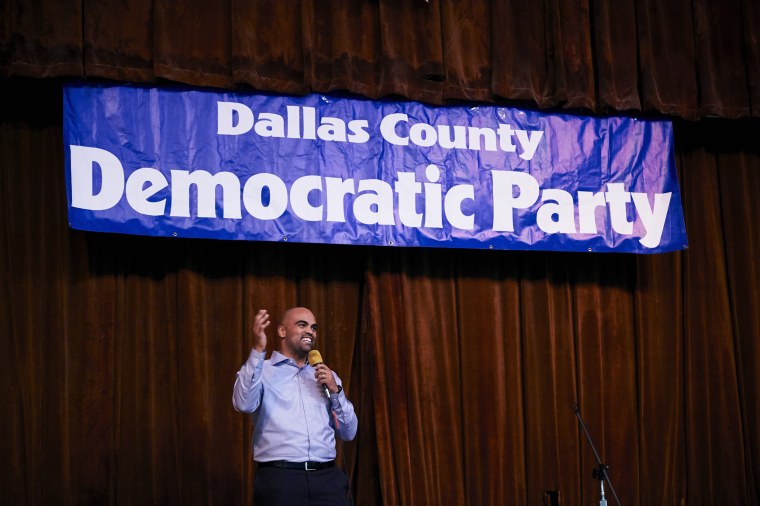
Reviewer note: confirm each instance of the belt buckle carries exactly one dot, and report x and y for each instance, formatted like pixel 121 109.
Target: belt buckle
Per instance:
pixel 307 468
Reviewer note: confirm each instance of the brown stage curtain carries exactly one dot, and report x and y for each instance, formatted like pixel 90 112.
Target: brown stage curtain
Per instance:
pixel 683 58
pixel 118 353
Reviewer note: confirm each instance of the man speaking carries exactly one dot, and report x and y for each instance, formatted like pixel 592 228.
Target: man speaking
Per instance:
pixel 298 407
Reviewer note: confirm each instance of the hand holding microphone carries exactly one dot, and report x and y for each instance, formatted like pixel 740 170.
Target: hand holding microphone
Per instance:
pixel 323 374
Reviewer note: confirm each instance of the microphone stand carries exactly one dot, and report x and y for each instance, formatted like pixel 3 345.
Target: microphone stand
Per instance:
pixel 600 473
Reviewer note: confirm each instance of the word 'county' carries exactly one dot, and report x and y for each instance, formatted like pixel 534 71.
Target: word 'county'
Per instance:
pixel 234 118
pixel 513 194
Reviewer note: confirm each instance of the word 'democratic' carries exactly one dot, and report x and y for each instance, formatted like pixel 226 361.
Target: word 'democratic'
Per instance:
pixel 318 169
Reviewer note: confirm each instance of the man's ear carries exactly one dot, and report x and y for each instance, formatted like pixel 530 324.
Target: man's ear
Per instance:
pixel 281 331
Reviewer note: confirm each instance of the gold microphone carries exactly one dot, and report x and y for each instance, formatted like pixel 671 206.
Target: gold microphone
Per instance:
pixel 315 358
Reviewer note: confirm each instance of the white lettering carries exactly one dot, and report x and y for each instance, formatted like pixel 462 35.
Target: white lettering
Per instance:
pixel 205 184
pixel 299 198
pixel 309 123
pixel 453 206
pixel 98 183
pixel 143 184
pixel 618 198
pixel 358 128
pixel 423 135
pixel 376 205
pixel 337 189
pixel 270 125
pixel 588 202
pixel 332 129
pixel 433 218
pixel 459 140
pixel 83 161
pixel 529 144
pixel 226 118
pixel 504 200
pixel 563 209
pixel 487 134
pixel 294 122
pixel 505 138
pixel 388 129
pixel 253 196
pixel 408 188
pixel 653 218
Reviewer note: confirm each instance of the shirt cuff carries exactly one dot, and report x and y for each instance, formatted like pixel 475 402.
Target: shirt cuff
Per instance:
pixel 334 397
pixel 255 358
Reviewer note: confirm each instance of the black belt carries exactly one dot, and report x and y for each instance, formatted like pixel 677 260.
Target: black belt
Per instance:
pixel 303 466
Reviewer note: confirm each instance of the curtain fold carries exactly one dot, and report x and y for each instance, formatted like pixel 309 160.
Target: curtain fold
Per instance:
pixel 118 40
pixel 208 318
pixel 466 42
pixel 720 59
pixel 191 41
pixel 666 55
pixel 268 51
pixel 607 375
pixel 742 172
pixel 680 58
pixel 616 55
pixel 147 373
pixel 416 379
pixel 711 355
pixel 489 312
pixel 43 38
pixel 659 316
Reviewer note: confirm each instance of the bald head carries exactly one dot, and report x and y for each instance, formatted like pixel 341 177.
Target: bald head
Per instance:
pixel 298 333
pixel 295 312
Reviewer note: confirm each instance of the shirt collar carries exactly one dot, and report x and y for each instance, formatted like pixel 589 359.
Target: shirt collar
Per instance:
pixel 278 358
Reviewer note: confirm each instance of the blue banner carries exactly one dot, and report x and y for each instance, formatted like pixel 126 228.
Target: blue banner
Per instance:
pixel 321 169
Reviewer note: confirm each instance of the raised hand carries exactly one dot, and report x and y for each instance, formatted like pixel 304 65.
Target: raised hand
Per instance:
pixel 260 322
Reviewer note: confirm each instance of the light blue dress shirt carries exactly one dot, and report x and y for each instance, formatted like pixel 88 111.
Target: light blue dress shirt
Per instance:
pixel 292 417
